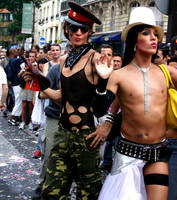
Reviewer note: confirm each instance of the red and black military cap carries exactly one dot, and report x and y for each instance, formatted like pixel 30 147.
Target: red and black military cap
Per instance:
pixel 80 16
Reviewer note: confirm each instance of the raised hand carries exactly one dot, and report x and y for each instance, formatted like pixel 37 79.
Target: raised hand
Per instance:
pixel 103 67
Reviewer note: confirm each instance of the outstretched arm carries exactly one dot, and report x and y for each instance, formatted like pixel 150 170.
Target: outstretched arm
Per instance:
pixel 51 94
pixel 48 92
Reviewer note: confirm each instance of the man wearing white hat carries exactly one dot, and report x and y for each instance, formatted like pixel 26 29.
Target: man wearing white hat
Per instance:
pixel 140 169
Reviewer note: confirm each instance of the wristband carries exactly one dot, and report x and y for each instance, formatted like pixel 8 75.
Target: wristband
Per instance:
pixel 44 83
pixel 101 93
pixel 101 87
pixel 110 117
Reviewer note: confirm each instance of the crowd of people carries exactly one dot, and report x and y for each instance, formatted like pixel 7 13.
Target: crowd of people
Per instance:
pixel 101 112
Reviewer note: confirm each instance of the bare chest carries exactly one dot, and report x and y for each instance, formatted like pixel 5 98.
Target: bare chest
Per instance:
pixel 137 86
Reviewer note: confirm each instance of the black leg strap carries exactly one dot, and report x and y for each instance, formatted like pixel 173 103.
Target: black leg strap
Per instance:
pixel 156 179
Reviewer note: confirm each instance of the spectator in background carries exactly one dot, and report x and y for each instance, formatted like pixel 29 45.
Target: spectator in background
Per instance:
pixel 161 57
pixel 2 57
pixel 158 58
pixel 26 54
pixel 35 48
pixel 117 61
pixel 38 117
pixel 173 61
pixel 42 54
pixel 12 70
pixel 3 88
pixel 47 47
pixel 55 51
pixel 49 55
pixel 107 49
pixel 52 111
pixel 26 94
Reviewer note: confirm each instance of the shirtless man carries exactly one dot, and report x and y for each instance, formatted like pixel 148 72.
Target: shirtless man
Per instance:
pixel 142 94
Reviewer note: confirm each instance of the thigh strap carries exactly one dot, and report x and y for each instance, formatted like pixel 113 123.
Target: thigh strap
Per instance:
pixel 156 179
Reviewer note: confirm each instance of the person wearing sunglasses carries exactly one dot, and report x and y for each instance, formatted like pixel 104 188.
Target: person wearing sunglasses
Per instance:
pixel 71 157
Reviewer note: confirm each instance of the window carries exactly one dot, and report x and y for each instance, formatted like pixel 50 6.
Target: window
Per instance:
pixel 53 5
pixel 5 17
pixel 1 17
pixel 134 4
pixel 152 4
pixel 112 24
pixel 99 28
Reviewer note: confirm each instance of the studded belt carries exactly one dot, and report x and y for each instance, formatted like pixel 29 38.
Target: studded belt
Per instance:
pixel 146 152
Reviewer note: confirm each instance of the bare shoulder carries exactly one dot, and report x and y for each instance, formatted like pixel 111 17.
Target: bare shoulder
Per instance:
pixel 121 71
pixel 173 72
pixel 62 60
pixel 120 74
pixel 172 69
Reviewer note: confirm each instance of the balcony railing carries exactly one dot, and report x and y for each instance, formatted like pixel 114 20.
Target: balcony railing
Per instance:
pixel 99 28
pixel 64 4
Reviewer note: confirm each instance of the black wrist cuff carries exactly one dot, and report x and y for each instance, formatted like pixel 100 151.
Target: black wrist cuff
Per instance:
pixel 101 87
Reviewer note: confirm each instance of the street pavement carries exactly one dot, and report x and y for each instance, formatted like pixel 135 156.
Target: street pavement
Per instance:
pixel 19 171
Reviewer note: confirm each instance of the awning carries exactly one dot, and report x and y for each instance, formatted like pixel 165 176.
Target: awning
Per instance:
pixel 96 38
pixel 111 37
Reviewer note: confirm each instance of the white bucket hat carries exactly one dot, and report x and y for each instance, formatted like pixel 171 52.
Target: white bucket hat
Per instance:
pixel 141 15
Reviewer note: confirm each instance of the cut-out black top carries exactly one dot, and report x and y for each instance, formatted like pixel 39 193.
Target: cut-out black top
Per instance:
pixel 77 91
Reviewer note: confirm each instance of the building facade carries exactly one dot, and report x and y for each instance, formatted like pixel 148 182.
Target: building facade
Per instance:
pixel 114 15
pixel 5 20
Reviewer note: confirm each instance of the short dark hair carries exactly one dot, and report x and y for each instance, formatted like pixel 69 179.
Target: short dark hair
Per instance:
pixel 33 52
pixel 36 47
pixel 105 46
pixel 56 45
pixel 47 47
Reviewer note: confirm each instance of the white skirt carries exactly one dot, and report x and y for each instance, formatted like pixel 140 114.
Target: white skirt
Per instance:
pixel 125 181
pixel 38 111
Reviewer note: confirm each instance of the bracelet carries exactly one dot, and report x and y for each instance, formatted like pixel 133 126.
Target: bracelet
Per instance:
pixel 101 93
pixel 110 117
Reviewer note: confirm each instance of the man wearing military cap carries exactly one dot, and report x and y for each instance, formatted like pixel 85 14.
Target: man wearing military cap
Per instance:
pixel 71 157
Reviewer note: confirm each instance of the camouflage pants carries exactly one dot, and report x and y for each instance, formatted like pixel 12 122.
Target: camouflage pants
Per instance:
pixel 72 159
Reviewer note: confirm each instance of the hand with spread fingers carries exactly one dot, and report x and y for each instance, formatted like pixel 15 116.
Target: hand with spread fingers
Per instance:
pixel 100 135
pixel 103 67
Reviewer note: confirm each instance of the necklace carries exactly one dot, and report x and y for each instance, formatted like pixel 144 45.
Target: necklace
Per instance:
pixel 145 76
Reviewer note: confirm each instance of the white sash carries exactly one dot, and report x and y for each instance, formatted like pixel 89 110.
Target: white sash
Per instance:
pixel 125 180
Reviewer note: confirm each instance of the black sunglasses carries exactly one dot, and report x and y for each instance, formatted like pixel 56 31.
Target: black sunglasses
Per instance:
pixel 73 28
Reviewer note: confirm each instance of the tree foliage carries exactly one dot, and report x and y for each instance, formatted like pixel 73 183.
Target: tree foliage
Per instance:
pixel 16 8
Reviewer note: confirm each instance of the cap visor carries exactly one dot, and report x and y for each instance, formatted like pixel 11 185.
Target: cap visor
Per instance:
pixel 74 22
